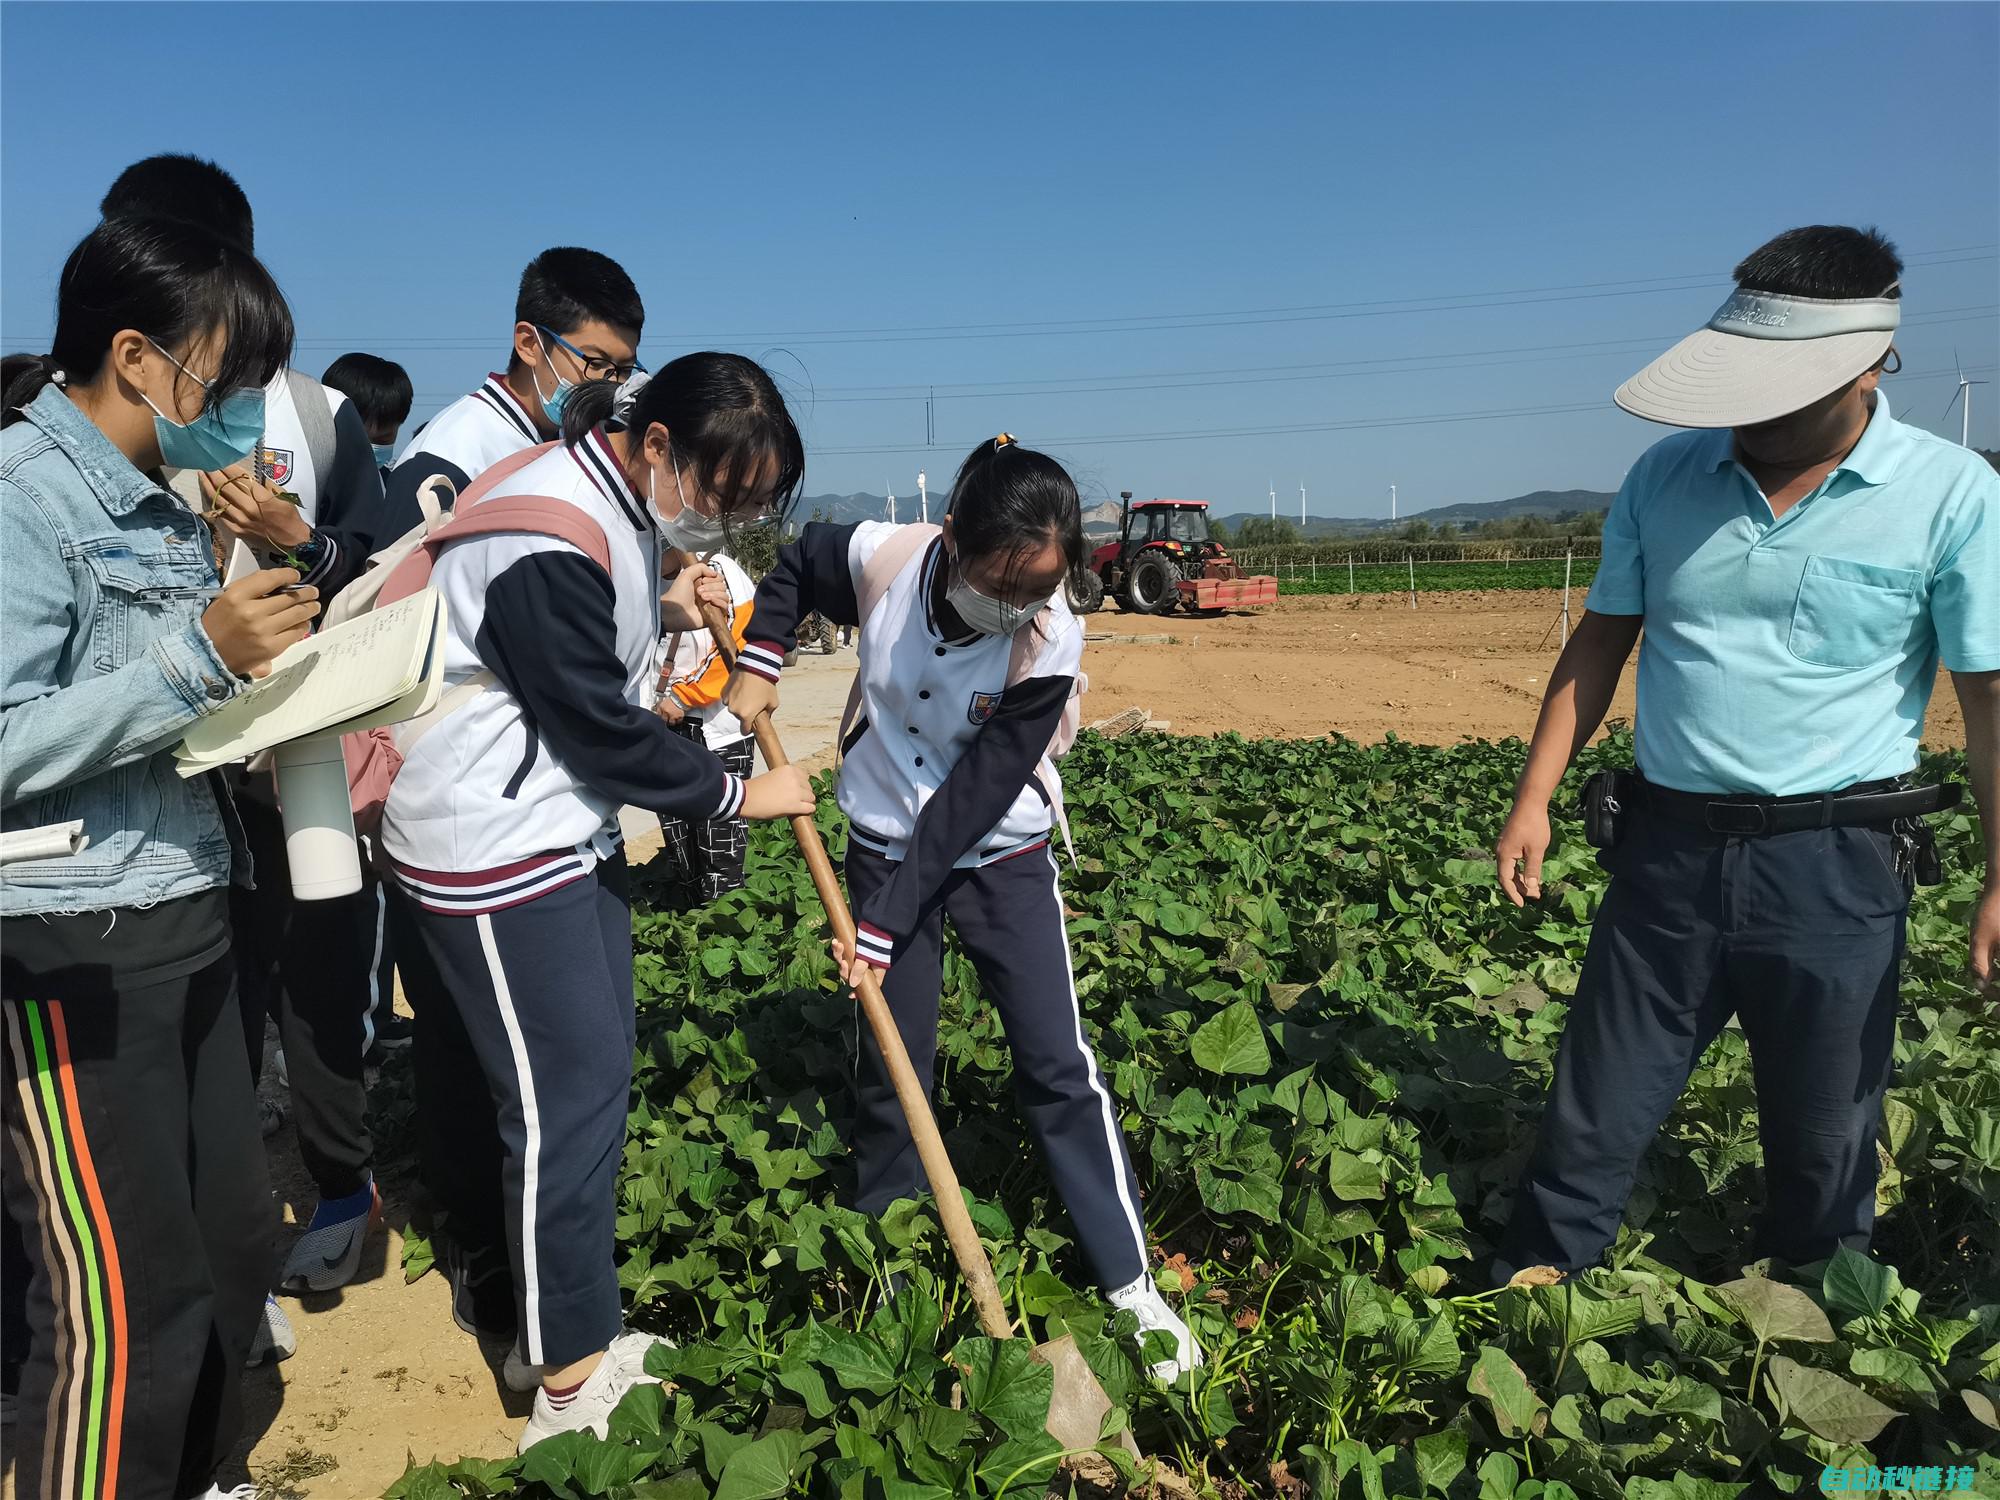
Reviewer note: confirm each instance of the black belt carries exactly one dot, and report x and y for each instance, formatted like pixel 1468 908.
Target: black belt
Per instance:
pixel 1876 802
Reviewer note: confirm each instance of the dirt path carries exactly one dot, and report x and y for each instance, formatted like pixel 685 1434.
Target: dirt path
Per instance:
pixel 1461 666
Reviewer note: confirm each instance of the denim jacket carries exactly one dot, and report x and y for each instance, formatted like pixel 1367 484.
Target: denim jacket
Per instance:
pixel 104 664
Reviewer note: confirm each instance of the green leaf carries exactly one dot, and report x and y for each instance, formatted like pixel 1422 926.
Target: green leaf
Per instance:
pixel 1351 1178
pixel 1499 1477
pixel 1006 1385
pixel 1499 1382
pixel 417 1256
pixel 1440 1458
pixel 1771 1310
pixel 1232 1042
pixel 1892 1367
pixel 1429 1348
pixel 1827 1406
pixel 857 1361
pixel 762 1471
pixel 1856 1286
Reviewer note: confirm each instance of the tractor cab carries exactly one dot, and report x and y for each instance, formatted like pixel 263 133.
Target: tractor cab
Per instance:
pixel 1166 558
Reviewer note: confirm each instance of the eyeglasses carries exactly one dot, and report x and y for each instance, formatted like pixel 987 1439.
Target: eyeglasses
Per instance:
pixel 595 366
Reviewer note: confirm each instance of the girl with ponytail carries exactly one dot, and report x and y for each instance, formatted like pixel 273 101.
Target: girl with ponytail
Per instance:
pixel 970 662
pixel 502 830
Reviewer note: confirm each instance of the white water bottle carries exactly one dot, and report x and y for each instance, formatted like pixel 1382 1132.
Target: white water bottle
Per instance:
pixel 319 822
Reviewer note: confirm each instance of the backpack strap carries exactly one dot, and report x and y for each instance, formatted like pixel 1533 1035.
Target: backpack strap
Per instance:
pixel 536 515
pixel 890 559
pixel 315 408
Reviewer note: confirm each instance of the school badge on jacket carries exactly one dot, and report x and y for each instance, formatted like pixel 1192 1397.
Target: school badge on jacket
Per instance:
pixel 982 706
pixel 277 463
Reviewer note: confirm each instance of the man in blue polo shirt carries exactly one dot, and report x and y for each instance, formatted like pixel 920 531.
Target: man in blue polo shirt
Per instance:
pixel 1799 564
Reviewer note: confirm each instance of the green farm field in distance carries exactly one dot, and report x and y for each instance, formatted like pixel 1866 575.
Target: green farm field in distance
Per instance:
pixel 1328 1038
pixel 1432 578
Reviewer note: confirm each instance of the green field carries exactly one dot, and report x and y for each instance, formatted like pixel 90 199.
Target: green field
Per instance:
pixel 1328 1040
pixel 1394 578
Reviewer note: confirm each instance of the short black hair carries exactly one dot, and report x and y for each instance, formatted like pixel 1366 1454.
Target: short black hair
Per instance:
pixel 564 288
pixel 178 186
pixel 1824 260
pixel 379 388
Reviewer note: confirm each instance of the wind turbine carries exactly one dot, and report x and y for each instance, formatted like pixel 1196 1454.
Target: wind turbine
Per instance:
pixel 1274 500
pixel 924 491
pixel 1963 393
pixel 1392 502
pixel 1302 509
pixel 892 506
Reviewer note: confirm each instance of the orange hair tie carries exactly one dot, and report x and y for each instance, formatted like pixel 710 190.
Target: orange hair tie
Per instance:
pixel 1004 440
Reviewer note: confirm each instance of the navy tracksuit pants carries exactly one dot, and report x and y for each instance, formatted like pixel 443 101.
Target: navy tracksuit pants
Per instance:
pixel 1798 935
pixel 537 1000
pixel 1009 918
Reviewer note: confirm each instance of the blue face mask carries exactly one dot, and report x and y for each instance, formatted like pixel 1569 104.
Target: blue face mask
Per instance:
pixel 552 404
pixel 224 434
pixel 385 455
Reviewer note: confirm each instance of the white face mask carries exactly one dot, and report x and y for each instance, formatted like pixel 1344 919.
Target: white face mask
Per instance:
pixel 988 616
pixel 690 531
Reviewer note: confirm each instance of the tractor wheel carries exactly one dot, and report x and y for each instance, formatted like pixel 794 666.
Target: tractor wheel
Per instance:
pixel 1150 588
pixel 1086 593
pixel 823 633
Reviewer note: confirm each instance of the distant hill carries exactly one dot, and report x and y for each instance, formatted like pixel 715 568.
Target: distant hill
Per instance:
pixel 1549 504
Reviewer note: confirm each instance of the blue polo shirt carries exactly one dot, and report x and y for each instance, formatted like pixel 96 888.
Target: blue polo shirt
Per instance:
pixel 1797 654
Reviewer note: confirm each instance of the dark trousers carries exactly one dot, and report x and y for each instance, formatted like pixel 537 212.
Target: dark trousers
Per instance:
pixel 1800 936
pixel 1009 918
pixel 706 854
pixel 532 1025
pixel 311 966
pixel 132 1159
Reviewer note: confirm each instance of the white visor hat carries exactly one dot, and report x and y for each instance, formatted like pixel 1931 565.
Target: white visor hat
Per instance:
pixel 1761 357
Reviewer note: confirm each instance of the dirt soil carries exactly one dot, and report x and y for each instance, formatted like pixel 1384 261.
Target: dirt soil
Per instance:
pixel 382 1373
pixel 1470 665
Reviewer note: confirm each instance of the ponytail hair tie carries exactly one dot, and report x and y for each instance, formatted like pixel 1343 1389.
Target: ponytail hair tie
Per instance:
pixel 59 377
pixel 1005 440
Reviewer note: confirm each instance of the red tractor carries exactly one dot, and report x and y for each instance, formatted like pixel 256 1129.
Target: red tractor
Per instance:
pixel 1165 559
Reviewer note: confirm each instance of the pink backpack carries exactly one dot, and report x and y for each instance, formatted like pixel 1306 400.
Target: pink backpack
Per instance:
pixel 404 567
pixel 879 572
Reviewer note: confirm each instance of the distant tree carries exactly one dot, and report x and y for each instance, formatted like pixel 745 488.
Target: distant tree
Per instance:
pixel 1261 531
pixel 1219 529
pixel 1416 531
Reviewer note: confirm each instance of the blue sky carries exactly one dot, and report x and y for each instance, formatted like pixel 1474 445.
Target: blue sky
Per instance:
pixel 808 184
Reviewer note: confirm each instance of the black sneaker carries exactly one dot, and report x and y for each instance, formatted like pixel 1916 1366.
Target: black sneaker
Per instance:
pixel 392 1033
pixel 482 1291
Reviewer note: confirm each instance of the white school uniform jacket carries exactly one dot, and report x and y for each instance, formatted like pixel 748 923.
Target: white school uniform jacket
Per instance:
pixel 939 767
pixel 517 792
pixel 461 442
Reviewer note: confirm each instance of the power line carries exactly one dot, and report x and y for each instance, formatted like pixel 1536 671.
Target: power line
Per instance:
pixel 1245 317
pixel 1288 429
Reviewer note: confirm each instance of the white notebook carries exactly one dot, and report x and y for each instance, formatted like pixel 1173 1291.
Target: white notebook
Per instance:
pixel 381 668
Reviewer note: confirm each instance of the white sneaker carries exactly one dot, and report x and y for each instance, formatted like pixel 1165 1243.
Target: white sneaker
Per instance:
pixel 1142 1298
pixel 590 1409
pixel 241 1492
pixel 274 1339
pixel 628 1349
